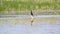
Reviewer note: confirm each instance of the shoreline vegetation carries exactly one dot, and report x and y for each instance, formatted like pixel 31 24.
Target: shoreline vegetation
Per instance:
pixel 27 5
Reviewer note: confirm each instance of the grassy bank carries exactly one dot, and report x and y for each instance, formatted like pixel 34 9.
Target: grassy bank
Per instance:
pixel 28 5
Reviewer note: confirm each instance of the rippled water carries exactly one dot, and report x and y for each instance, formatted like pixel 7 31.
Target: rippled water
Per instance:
pixel 16 25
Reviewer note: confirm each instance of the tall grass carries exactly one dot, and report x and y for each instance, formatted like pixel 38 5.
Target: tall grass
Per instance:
pixel 27 5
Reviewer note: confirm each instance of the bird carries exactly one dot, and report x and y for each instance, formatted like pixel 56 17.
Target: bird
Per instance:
pixel 32 18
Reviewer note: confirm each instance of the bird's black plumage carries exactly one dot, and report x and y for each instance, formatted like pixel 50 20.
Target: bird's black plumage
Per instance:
pixel 31 13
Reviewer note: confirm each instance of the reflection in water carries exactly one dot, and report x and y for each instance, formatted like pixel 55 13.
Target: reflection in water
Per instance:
pixel 32 20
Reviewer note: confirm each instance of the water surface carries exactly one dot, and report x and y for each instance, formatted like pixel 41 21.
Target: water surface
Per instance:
pixel 40 25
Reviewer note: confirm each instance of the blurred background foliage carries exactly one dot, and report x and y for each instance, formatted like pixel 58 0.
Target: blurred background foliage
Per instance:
pixel 19 5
